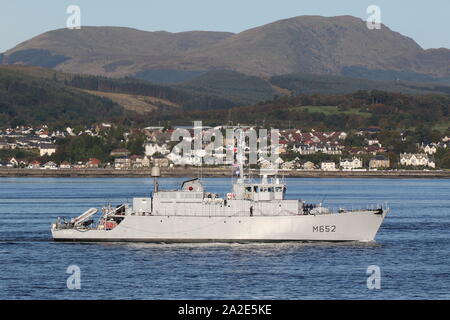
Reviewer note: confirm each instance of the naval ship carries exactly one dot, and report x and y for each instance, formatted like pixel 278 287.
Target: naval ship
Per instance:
pixel 254 211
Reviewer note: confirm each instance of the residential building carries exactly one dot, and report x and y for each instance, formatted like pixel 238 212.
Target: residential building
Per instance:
pixel 379 161
pixel 328 166
pixel 13 162
pixel 47 149
pixel 153 148
pixel 93 163
pixel 350 164
pixel 140 162
pixel 416 160
pixel 429 148
pixel 65 165
pixel 50 165
pixel 122 163
pixel 34 164
pixel 160 162
pixel 308 165
pixel 288 165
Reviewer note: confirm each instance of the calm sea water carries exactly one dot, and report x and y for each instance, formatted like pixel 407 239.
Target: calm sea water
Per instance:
pixel 412 247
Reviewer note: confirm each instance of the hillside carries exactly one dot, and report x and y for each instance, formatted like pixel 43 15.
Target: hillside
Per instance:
pixel 25 99
pixel 112 51
pixel 301 83
pixel 137 103
pixel 232 85
pixel 362 109
pixel 305 44
pixel 41 95
pixel 32 95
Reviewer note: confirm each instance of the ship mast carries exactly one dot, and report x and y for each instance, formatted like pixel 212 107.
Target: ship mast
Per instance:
pixel 240 155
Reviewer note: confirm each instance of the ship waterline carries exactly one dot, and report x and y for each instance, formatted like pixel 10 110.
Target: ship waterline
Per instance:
pixel 349 226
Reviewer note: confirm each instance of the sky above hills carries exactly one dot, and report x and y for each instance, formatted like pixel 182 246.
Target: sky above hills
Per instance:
pixel 425 21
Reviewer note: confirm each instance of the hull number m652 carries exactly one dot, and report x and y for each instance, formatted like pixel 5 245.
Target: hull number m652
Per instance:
pixel 330 228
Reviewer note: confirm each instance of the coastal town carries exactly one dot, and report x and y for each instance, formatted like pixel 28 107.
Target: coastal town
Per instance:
pixel 27 147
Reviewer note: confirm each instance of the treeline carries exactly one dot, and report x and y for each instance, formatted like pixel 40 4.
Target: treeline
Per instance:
pixel 362 109
pixel 231 85
pixel 301 83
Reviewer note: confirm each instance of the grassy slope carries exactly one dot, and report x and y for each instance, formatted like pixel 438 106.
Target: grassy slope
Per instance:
pixel 331 110
pixel 136 103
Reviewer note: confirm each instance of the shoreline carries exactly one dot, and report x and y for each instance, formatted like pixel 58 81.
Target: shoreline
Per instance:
pixel 217 173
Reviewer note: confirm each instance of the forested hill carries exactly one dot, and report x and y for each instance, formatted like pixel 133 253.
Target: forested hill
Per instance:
pixel 362 109
pixel 187 99
pixel 30 95
pixel 25 99
pixel 34 95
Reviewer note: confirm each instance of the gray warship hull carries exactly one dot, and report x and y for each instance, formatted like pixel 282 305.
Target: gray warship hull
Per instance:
pixel 347 226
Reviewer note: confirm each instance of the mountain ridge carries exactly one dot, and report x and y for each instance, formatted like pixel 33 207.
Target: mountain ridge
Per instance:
pixel 303 44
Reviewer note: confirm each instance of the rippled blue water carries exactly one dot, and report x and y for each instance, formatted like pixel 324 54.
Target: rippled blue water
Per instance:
pixel 412 247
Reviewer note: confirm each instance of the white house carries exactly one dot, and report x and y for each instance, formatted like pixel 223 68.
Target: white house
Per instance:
pixel 47 149
pixel 14 162
pixel 288 165
pixel 34 165
pixel 350 164
pixel 308 165
pixel 65 165
pixel 4 145
pixel 140 162
pixel 429 148
pixel 371 142
pixel 50 165
pixel 328 166
pixel 416 160
pixel 152 148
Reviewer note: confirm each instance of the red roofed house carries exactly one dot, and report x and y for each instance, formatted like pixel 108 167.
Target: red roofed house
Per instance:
pixel 93 163
pixel 34 164
pixel 65 165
